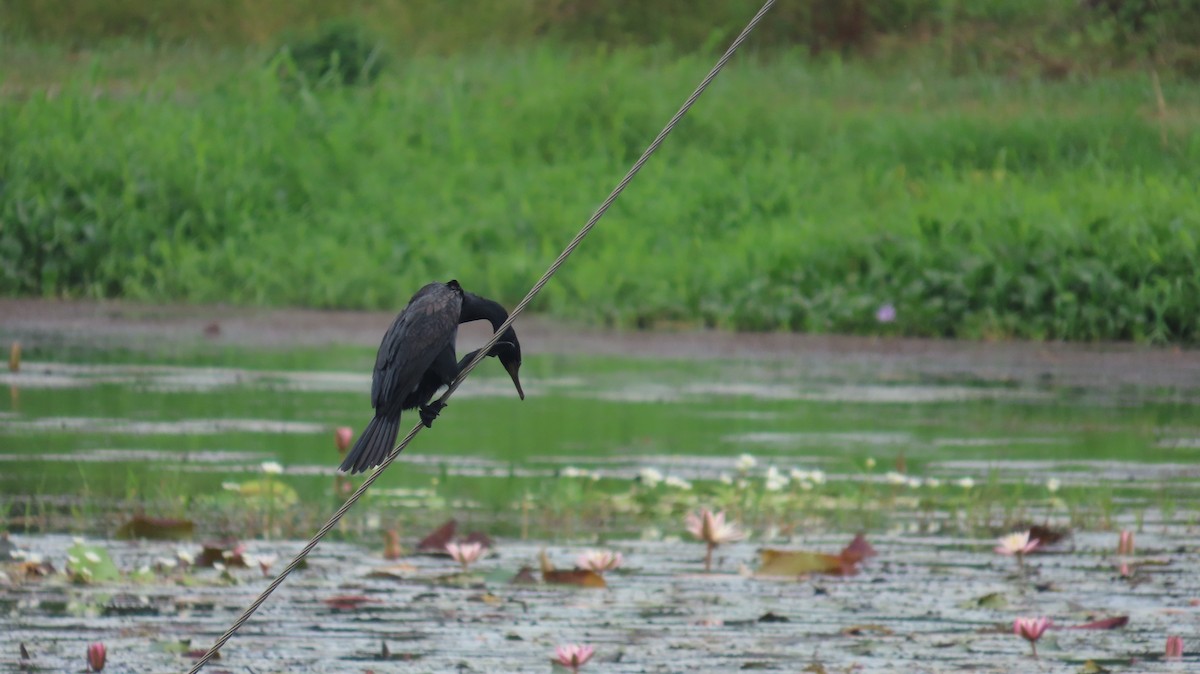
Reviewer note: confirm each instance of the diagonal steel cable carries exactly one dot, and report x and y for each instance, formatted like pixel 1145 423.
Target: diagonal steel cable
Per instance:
pixel 537 287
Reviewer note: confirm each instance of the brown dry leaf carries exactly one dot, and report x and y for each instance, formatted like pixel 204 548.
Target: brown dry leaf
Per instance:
pixel 864 630
pixel 577 577
pixel 789 563
pixel 486 598
pixel 156 528
pixel 35 569
pixel 797 563
pixel 524 577
pixel 436 541
pixel 392 549
pixel 393 572
pixel 1045 535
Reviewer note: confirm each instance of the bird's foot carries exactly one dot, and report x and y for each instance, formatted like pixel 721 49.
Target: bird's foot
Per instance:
pixel 430 412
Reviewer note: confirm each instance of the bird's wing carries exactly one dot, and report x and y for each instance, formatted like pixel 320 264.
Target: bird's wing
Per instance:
pixel 417 336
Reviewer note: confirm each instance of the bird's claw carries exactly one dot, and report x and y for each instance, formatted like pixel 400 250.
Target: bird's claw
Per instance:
pixel 430 412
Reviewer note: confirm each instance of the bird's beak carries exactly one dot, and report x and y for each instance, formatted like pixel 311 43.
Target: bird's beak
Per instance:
pixel 512 372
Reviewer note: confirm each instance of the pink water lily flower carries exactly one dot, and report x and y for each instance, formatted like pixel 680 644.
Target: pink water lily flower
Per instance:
pixel 574 656
pixel 96 655
pixel 342 437
pixel 714 530
pixel 1174 647
pixel 1125 543
pixel 1018 545
pixel 600 560
pixel 1031 629
pixel 465 553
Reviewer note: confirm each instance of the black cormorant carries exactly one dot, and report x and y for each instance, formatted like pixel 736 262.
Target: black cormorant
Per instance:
pixel 416 358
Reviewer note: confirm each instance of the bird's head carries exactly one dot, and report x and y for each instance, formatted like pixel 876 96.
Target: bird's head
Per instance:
pixel 508 350
pixel 453 285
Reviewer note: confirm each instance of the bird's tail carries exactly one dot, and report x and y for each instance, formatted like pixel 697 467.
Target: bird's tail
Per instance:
pixel 373 445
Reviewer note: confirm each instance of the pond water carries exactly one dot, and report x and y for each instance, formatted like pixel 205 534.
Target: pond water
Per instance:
pixel 931 467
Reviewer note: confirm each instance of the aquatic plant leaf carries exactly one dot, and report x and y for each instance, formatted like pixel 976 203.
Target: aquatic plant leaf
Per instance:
pixel 227 551
pixel 798 563
pixel 1115 622
pixel 1092 667
pixel 268 491
pixel 437 540
pixel 990 600
pixel 866 630
pixel 576 577
pixel 90 564
pixel 348 602
pixel 156 528
pixel 35 569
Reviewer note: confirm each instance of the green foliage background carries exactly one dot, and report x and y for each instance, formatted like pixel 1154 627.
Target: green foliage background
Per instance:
pixel 954 162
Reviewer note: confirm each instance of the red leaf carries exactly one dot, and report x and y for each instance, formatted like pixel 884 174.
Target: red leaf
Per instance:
pixel 436 541
pixel 1105 624
pixel 858 550
pixel 348 602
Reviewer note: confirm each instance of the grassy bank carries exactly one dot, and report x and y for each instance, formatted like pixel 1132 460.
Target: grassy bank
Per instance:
pixel 798 195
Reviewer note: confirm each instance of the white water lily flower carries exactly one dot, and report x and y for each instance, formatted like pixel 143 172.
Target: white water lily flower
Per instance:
pixel 677 482
pixel 913 482
pixel 817 476
pixel 650 477
pixel 572 471
pixel 799 475
pixel 775 480
pixel 805 485
pixel 231 486
pixel 724 478
pixel 965 483
pixel 869 463
pixel 185 556
pixel 91 557
pixel 272 467
pixel 745 462
pixel 600 560
pixel 1053 484
pixel 932 482
pixel 893 477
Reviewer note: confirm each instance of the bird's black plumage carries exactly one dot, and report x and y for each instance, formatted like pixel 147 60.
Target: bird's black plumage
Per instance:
pixel 417 357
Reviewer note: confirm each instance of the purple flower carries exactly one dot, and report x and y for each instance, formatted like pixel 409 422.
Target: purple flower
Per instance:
pixel 885 313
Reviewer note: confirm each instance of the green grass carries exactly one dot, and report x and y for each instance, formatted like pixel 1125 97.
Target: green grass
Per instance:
pixel 798 195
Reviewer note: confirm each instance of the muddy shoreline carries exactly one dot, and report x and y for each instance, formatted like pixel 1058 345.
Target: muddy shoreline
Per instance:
pixel 46 323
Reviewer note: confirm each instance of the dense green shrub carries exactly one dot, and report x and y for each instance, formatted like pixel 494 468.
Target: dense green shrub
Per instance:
pixel 795 196
pixel 341 49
